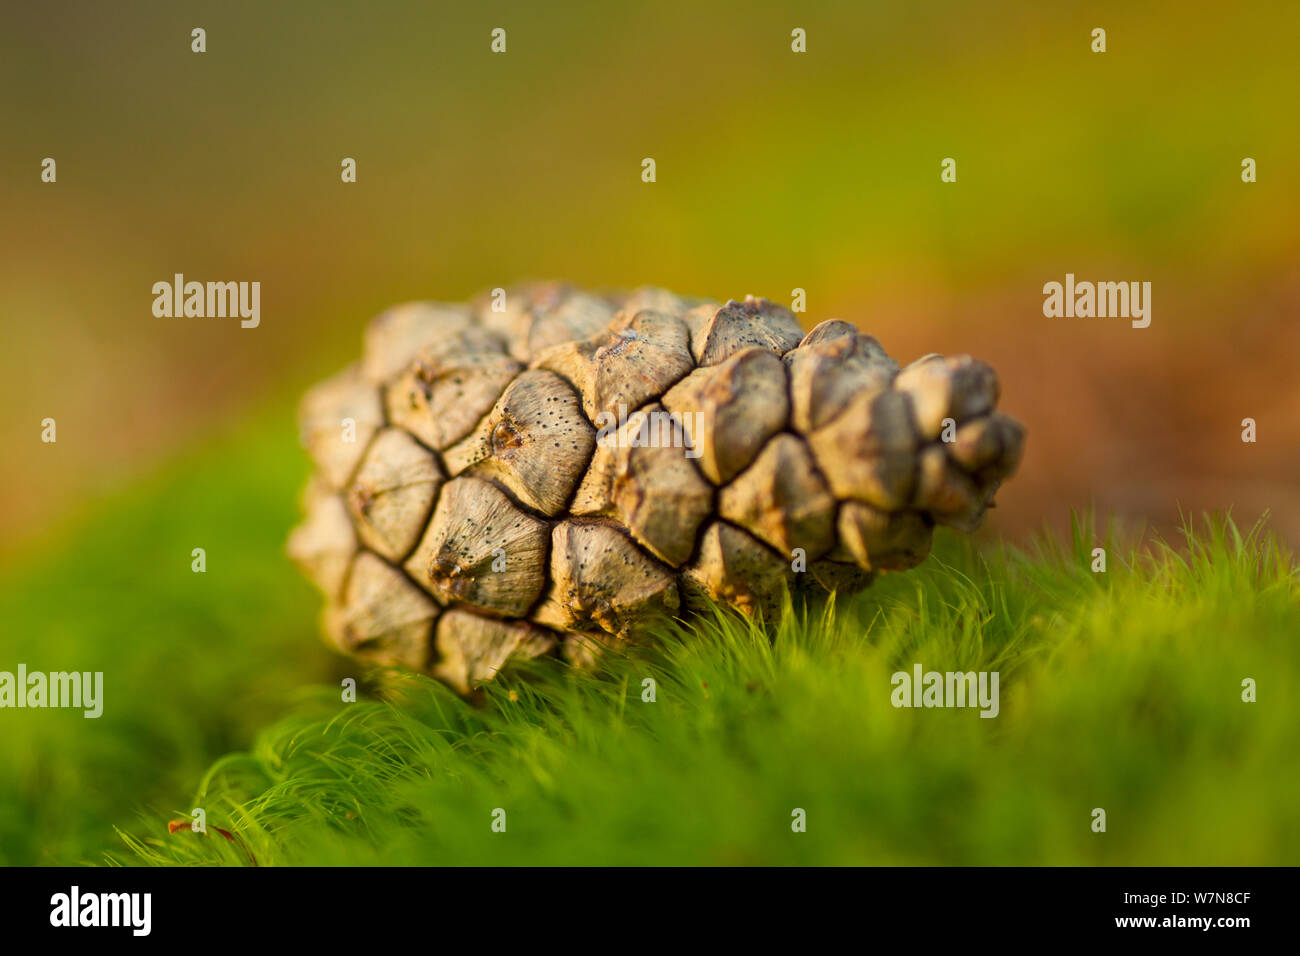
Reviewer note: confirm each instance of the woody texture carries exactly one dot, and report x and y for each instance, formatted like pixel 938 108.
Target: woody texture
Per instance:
pixel 555 471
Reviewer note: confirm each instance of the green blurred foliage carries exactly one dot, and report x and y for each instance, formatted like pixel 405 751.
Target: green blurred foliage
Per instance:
pixel 1119 690
pixel 193 663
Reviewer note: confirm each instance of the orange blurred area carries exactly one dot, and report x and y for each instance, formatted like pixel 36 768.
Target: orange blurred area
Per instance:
pixel 775 171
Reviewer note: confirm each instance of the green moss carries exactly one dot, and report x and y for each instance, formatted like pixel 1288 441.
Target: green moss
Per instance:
pixel 1120 691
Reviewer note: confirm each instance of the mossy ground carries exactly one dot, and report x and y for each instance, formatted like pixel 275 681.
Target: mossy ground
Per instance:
pixel 1120 690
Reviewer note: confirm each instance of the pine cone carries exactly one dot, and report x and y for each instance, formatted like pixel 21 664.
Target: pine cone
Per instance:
pixel 562 474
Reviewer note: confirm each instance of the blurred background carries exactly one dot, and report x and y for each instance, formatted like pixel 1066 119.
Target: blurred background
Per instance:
pixel 774 171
